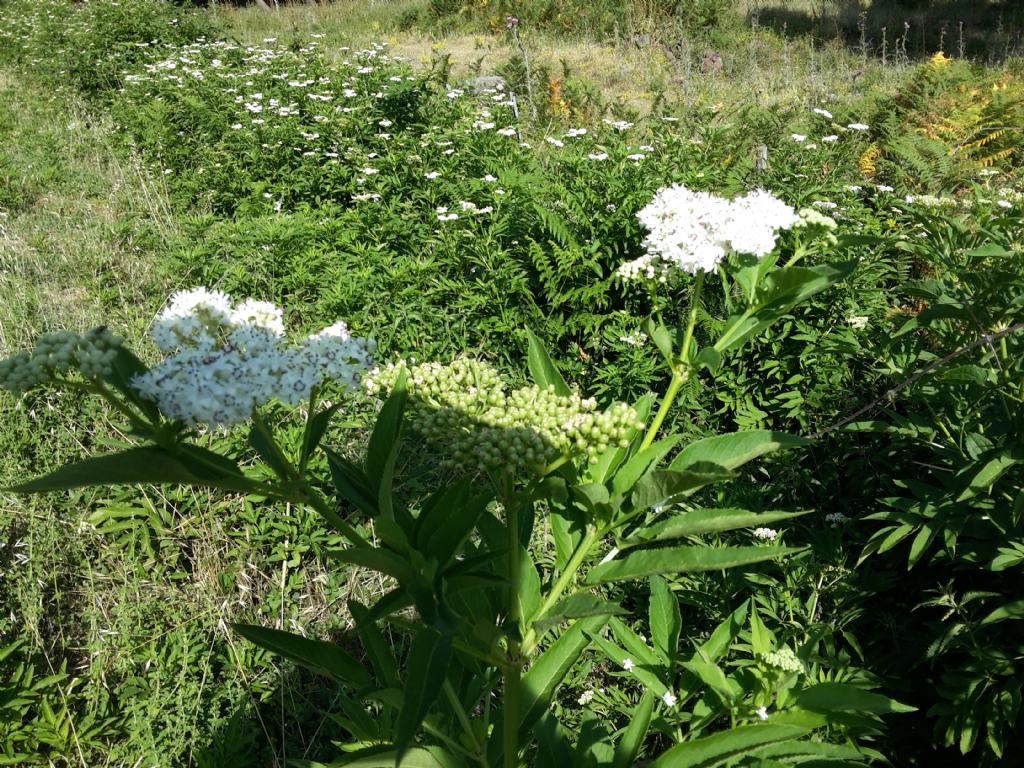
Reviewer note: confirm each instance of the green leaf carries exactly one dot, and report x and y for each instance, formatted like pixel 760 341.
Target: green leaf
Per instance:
pixel 567 524
pixel 1013 610
pixel 149 465
pixel 701 521
pixel 840 697
pixel 665 619
pixel 631 472
pixel 315 431
pixel 377 647
pixel 542 369
pixel 550 668
pixel 385 757
pixel 722 747
pixel 577 606
pixel 762 639
pixel 735 449
pixel 782 290
pixel 124 368
pixel 427 665
pixel 662 487
pixel 379 560
pixel 628 748
pixel 447 519
pixel 383 448
pixel 708 358
pixel 716 646
pixel 681 560
pixel 352 483
pixel 539 684
pixel 982 479
pixel 646 666
pixel 662 339
pixel 713 677
pixel 267 450
pixel 322 657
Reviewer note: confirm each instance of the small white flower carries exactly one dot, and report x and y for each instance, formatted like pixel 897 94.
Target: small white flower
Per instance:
pixel 586 697
pixel 859 321
pixel 829 139
pixel 853 188
pixel 370 171
pixel 554 142
pixel 766 534
pixel 857 127
pixel 431 175
pixel 762 713
pixel 798 137
pixel 823 112
pixel 1004 203
pixel 627 664
pixel 489 178
pixel 669 698
pixel 636 157
pixel 510 131
pixel 597 156
pixel 883 188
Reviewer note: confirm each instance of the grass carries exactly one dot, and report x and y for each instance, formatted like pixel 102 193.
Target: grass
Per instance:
pixel 627 72
pixel 132 591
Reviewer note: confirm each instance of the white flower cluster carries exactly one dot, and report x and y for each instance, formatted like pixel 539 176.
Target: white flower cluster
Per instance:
pixel 693 231
pixel 783 659
pixel 765 534
pixel 224 359
pixel 92 354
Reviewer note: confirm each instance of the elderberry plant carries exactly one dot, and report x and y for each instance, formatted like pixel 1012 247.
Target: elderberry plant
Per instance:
pixel 493 631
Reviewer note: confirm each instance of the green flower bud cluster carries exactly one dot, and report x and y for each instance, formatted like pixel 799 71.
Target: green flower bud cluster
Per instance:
pixel 55 353
pixel 465 408
pixel 784 660
pixel 818 224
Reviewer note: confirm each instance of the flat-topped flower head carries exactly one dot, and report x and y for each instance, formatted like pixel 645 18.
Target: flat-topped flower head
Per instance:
pixel 227 359
pixel 466 407
pixel 693 231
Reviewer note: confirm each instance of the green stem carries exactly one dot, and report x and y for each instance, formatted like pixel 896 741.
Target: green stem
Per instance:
pixel 101 389
pixel 309 495
pixel 565 578
pixel 513 672
pixel 555 465
pixel 680 372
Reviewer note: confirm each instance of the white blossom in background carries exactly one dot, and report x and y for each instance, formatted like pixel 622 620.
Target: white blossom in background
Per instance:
pixel 225 359
pixel 762 713
pixel 823 112
pixel 693 231
pixel 669 698
pixel 857 127
pixel 627 664
pixel 766 534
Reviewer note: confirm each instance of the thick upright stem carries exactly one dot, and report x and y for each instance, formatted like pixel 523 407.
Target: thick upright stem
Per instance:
pixel 565 578
pixel 513 672
pixel 680 371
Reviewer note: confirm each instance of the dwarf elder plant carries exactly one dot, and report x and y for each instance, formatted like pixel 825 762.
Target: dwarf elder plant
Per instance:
pixel 489 630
